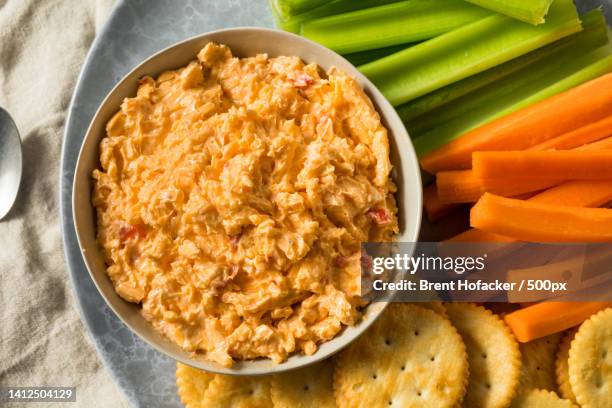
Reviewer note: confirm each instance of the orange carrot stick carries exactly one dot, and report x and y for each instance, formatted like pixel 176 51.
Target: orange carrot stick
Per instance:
pixel 591 193
pixel 543 319
pixel 434 208
pixel 567 111
pixel 581 193
pixel 460 186
pixel 530 165
pixel 464 186
pixel 579 137
pixel 536 222
pixel 604 144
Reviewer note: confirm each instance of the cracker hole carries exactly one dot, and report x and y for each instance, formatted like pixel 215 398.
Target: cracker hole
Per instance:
pixel 488 386
pixel 403 368
pixel 432 358
pixel 251 392
pixel 390 402
pixel 419 393
pixel 538 368
pixel 416 332
pixel 306 388
pixel 484 355
pixel 374 376
pixel 387 342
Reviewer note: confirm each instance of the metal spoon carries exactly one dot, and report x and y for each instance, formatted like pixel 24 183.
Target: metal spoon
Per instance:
pixel 10 162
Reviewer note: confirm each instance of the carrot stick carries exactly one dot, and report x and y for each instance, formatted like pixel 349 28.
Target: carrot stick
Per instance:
pixel 579 137
pixel 567 111
pixel 434 208
pixel 536 222
pixel 581 193
pixel 590 193
pixel 460 186
pixel 604 144
pixel 531 165
pixel 464 186
pixel 543 319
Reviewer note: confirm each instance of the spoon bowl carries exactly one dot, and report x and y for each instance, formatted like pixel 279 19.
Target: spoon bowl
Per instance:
pixel 10 162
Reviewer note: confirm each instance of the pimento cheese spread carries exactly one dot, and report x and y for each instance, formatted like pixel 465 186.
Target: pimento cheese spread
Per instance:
pixel 232 199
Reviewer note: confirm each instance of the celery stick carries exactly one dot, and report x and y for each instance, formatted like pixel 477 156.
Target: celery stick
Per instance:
pixel 288 8
pixel 392 24
pixel 294 23
pixel 511 89
pixel 593 36
pixel 493 107
pixel 466 51
pixel 529 11
pixel 363 57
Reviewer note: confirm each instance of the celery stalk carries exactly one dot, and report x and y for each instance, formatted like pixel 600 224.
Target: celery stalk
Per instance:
pixel 294 23
pixel 494 97
pixel 363 57
pixel 392 24
pixel 466 51
pixel 529 11
pixel 499 102
pixel 288 8
pixel 593 36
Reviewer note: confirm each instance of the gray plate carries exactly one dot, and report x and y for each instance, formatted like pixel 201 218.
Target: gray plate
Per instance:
pixel 135 30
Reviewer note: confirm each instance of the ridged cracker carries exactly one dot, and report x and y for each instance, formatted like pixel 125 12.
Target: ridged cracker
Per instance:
pixel 192 384
pixel 437 307
pixel 493 355
pixel 541 399
pixel 227 391
pixel 538 363
pixel 562 368
pixel 411 357
pixel 590 362
pixel 306 387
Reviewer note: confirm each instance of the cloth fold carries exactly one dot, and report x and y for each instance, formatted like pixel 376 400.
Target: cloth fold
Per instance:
pixel 43 45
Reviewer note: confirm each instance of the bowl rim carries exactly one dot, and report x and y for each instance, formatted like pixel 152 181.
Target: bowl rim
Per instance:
pixel 341 340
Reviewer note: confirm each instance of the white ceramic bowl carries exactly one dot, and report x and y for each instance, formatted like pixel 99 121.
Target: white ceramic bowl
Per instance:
pixel 243 42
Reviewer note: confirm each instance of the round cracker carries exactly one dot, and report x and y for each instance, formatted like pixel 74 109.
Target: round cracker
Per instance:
pixel 437 307
pixel 227 391
pixel 538 363
pixel 306 387
pixel 562 368
pixel 192 384
pixel 410 357
pixel 541 399
pixel 493 355
pixel 590 362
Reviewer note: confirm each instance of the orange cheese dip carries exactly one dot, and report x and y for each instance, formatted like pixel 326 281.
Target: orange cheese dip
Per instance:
pixel 232 199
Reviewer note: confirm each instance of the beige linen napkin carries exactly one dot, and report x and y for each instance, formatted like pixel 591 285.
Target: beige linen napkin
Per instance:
pixel 42 340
